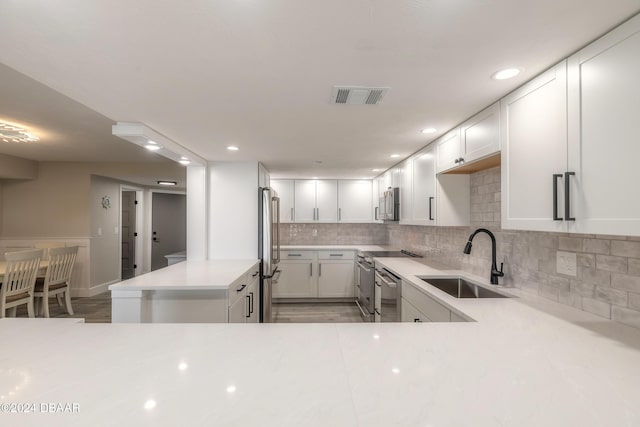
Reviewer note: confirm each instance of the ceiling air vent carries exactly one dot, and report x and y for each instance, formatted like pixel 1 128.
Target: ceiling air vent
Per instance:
pixel 357 95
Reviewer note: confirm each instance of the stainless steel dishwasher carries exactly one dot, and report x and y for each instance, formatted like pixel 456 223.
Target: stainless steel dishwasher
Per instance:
pixel 387 306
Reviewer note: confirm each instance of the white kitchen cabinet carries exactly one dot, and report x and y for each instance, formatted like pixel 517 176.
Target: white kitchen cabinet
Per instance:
pixel 424 187
pixel 238 310
pixel 448 150
pixel 411 314
pixel 285 190
pixel 377 190
pixel 335 279
pixel 355 200
pixel 480 135
pixel 603 143
pixel 316 200
pixel 316 274
pixel 244 298
pixel 296 278
pixel 428 306
pixel 534 150
pixel 253 291
pixel 406 191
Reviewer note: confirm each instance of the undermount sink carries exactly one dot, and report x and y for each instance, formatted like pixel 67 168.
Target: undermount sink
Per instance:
pixel 461 288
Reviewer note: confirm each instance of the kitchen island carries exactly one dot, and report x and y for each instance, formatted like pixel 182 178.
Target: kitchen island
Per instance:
pixel 524 361
pixel 186 292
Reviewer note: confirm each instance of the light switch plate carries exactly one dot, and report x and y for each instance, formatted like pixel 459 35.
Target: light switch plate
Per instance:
pixel 566 263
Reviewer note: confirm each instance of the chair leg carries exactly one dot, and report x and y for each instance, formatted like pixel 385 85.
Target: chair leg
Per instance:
pixel 67 299
pixel 59 298
pixel 30 311
pixel 45 305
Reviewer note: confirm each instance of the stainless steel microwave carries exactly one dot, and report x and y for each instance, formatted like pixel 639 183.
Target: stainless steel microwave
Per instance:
pixel 389 205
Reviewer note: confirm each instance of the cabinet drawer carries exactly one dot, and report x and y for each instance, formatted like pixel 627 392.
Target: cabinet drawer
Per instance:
pixel 336 255
pixel 435 311
pixel 238 288
pixel 293 255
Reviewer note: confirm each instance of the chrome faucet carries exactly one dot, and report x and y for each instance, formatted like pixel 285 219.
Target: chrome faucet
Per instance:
pixel 495 273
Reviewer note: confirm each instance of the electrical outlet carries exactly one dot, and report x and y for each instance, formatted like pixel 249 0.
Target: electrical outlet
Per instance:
pixel 99 231
pixel 314 232
pixel 566 263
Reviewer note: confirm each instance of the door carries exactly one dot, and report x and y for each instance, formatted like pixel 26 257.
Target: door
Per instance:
pixel 128 235
pixel 327 200
pixel 354 200
pixel 534 149
pixel 305 200
pixel 481 134
pixel 335 279
pixel 238 310
pixel 604 108
pixel 448 147
pixel 284 188
pixel 406 192
pixel 169 227
pixel 295 280
pixel 424 187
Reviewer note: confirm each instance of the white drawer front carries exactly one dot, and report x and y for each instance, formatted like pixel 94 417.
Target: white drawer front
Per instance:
pixel 336 255
pixel 435 311
pixel 294 255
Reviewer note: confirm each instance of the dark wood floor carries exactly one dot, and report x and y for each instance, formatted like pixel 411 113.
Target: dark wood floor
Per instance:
pixel 316 313
pixel 97 309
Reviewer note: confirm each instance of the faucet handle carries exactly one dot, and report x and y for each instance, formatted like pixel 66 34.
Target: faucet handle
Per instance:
pixel 501 267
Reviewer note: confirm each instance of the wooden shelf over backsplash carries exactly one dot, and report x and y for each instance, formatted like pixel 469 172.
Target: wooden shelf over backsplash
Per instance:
pixel 478 165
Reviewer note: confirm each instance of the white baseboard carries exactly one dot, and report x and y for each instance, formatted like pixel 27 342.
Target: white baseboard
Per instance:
pixel 94 290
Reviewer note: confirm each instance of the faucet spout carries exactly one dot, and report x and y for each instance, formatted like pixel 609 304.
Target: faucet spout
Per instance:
pixel 495 273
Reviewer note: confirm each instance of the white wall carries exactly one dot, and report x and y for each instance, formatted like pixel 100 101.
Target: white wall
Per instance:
pixel 17 168
pixel 233 210
pixel 197 212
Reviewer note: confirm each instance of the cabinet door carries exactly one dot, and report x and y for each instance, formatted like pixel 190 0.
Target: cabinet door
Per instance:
pixel 534 141
pixel 604 148
pixel 284 188
pixel 411 314
pixel 239 309
pixel 336 279
pixel 480 134
pixel 406 192
pixel 354 200
pixel 378 188
pixel 327 200
pixel 253 292
pixel 424 187
pixel 448 150
pixel 304 200
pixel 295 281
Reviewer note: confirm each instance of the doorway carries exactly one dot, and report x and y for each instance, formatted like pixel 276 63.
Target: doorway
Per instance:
pixel 168 226
pixel 128 239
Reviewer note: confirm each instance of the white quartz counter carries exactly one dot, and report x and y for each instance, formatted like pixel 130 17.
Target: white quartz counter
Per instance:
pixel 189 275
pixel 524 362
pixel 362 248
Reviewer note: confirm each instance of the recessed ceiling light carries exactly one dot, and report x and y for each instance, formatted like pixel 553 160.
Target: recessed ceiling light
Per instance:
pixel 184 162
pixel 232 148
pixel 149 404
pixel 429 130
pixel 152 147
pixel 376 170
pixel 168 183
pixel 393 156
pixel 505 74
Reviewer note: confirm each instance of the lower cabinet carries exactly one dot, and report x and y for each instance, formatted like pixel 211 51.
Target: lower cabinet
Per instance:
pixel 418 307
pixel 315 274
pixel 244 299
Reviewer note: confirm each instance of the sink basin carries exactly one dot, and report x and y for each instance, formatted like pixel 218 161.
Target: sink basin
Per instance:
pixel 461 288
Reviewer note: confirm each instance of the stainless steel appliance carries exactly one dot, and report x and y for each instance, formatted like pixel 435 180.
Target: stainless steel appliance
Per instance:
pixel 388 208
pixel 387 306
pixel 366 284
pixel 268 247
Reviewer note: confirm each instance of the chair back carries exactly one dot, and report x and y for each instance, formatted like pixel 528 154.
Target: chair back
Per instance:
pixel 4 250
pixel 61 262
pixel 20 275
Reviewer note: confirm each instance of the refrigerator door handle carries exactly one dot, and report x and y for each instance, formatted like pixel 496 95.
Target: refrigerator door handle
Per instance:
pixel 277 225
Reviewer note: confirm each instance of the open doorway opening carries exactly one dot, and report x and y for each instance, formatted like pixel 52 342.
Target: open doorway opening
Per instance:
pixel 168 227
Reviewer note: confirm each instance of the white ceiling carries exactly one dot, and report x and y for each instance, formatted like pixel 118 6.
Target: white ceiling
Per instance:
pixel 258 73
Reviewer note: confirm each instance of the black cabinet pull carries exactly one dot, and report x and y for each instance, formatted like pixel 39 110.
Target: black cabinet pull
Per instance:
pixel 456 161
pixel 251 302
pixel 567 196
pixel 555 197
pixel 431 208
pixel 241 288
pixel 416 320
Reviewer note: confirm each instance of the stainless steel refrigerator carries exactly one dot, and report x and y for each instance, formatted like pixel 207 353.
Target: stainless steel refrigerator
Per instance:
pixel 268 248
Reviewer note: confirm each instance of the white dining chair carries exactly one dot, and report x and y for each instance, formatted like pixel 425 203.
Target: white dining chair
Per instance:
pixel 56 280
pixel 19 280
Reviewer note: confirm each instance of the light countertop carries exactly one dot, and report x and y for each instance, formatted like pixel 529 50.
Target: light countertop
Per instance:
pixel 524 362
pixel 189 275
pixel 362 248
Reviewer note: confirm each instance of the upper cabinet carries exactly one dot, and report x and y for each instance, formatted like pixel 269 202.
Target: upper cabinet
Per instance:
pixel 475 139
pixel 355 200
pixel 284 188
pixel 405 171
pixel 534 152
pixel 316 200
pixel 424 186
pixel 604 148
